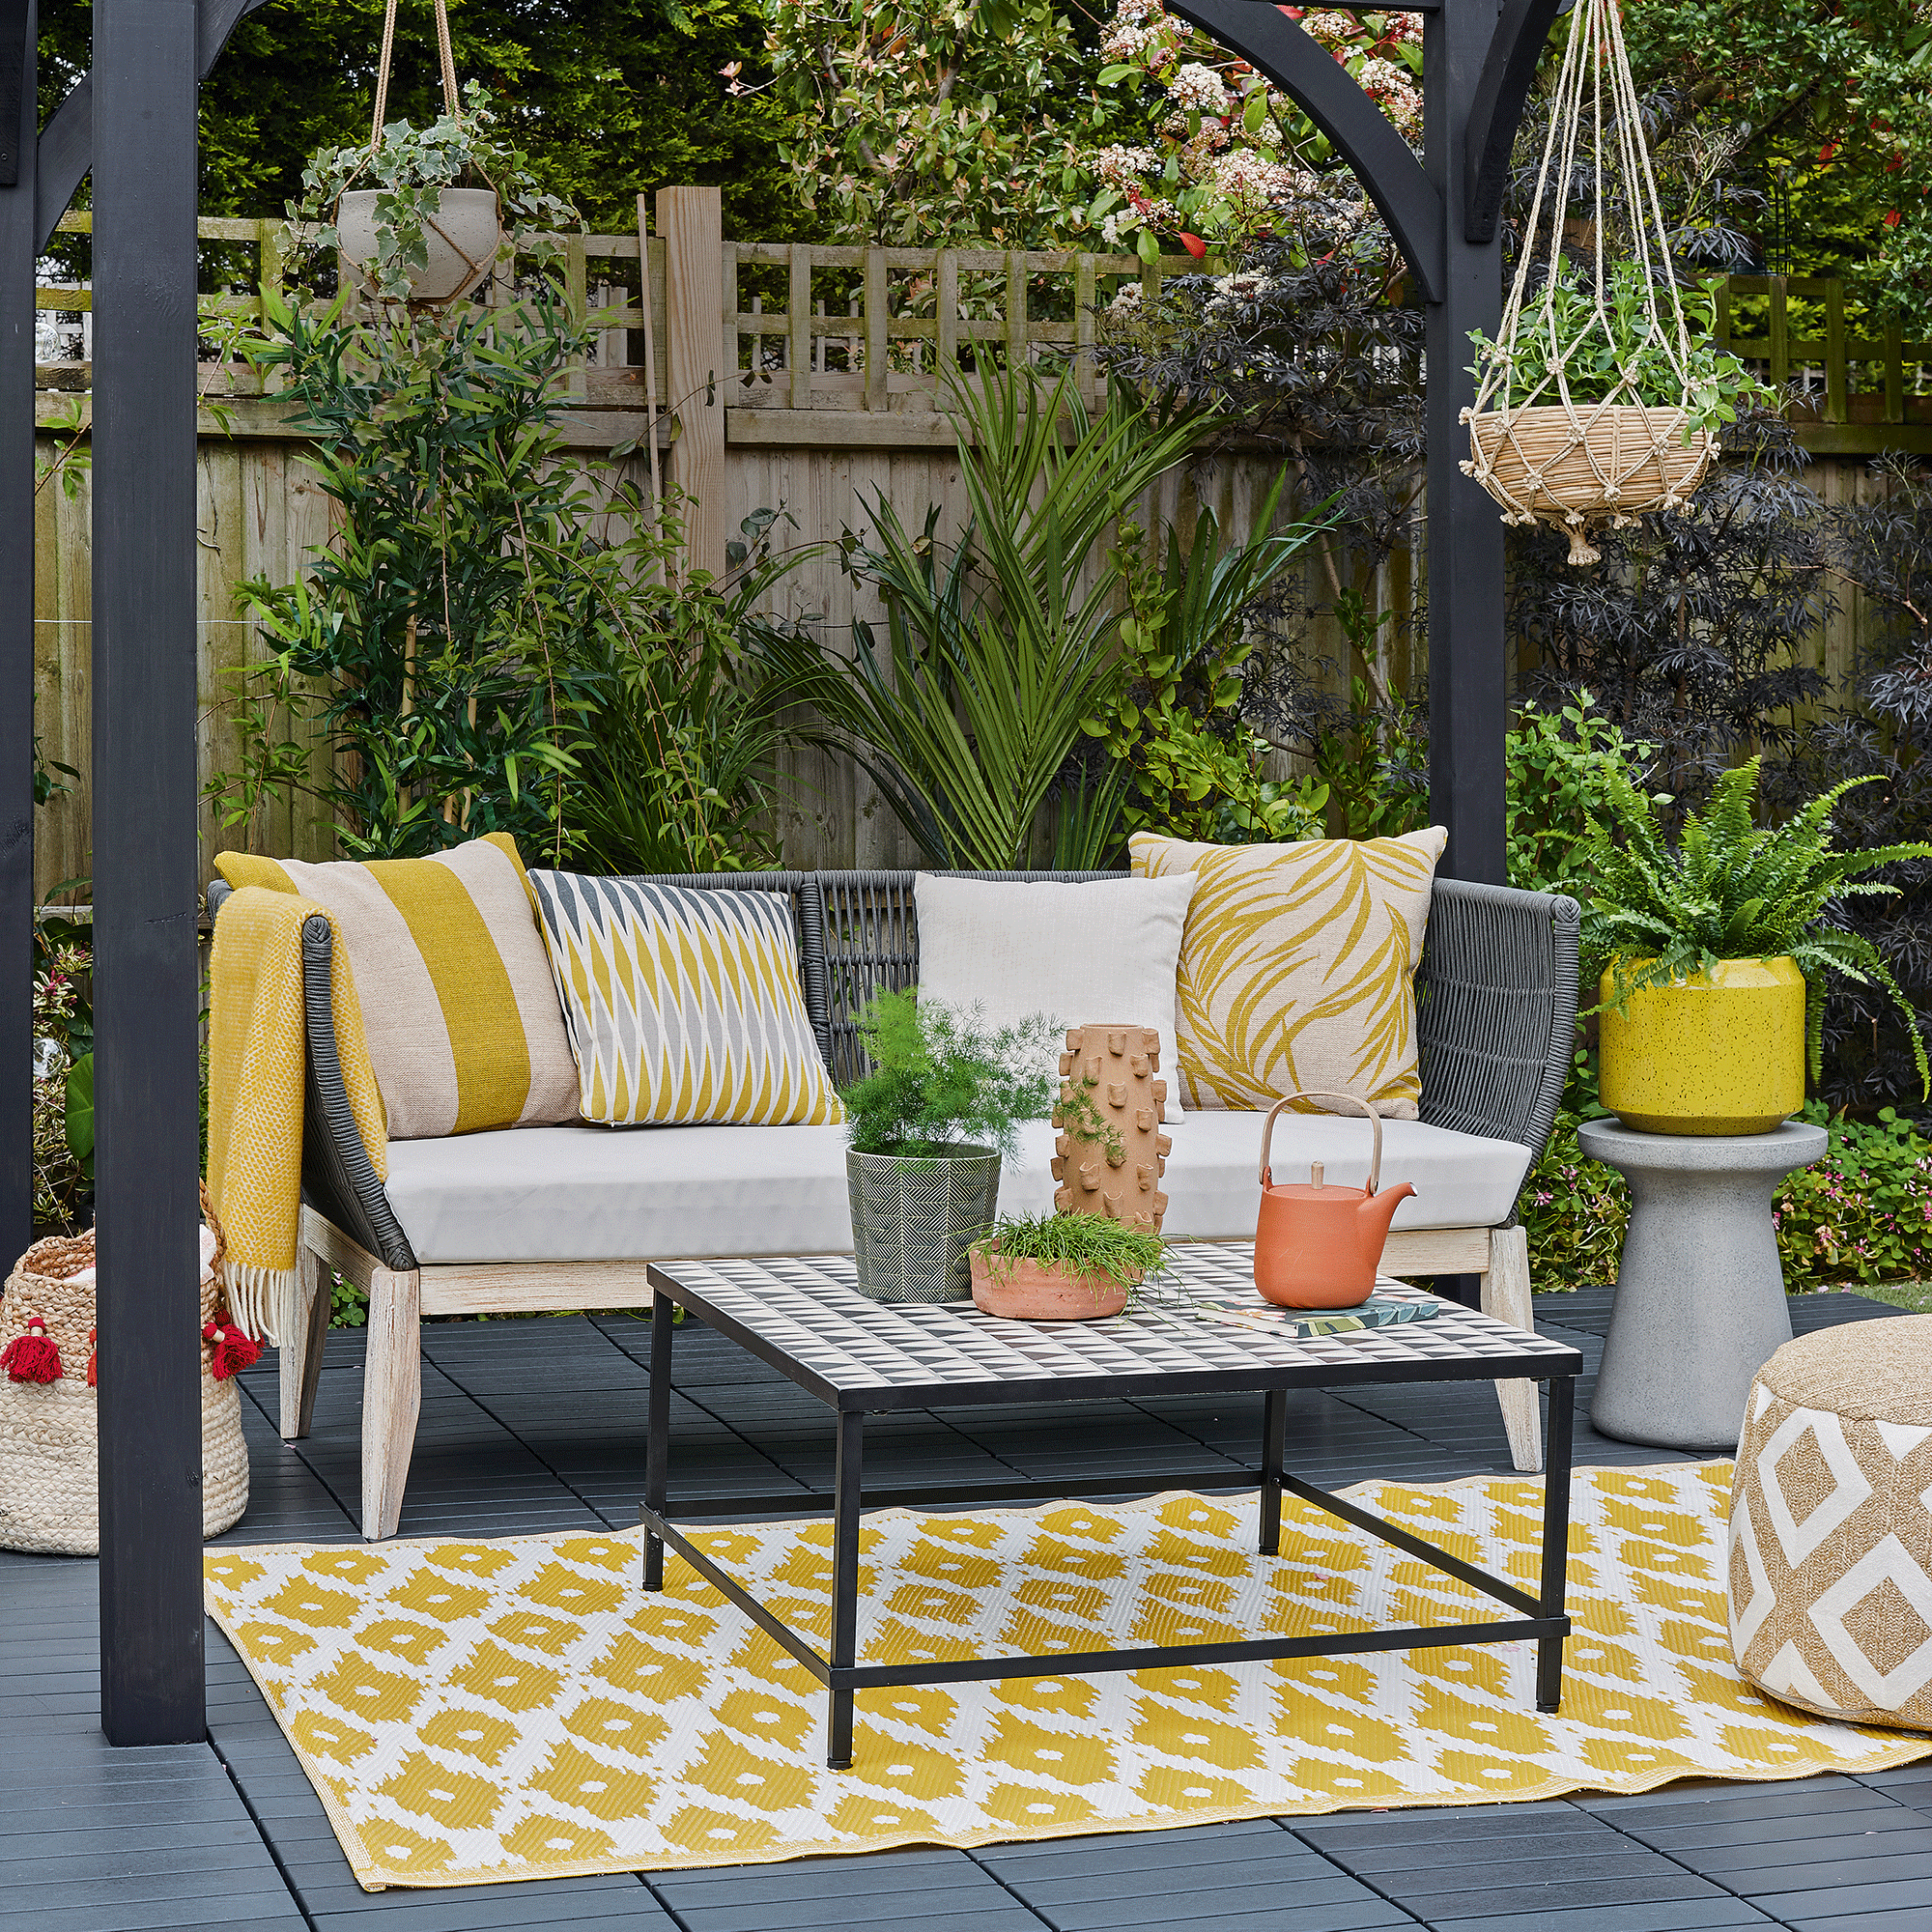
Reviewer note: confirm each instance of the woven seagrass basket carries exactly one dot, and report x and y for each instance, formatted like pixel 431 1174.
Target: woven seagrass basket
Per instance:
pixel 49 1432
pixel 1547 465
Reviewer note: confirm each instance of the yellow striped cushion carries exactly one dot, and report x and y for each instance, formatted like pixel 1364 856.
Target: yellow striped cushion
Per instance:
pixel 683 1005
pixel 462 1018
pixel 1297 967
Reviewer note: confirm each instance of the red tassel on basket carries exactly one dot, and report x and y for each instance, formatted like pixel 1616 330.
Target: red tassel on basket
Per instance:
pixel 234 1349
pixel 31 1358
pixel 92 1354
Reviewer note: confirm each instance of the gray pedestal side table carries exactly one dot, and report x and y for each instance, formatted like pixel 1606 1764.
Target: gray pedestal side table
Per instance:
pixel 1699 1304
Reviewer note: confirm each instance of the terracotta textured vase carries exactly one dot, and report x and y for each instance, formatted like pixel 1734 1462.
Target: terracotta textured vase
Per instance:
pixel 1022 1290
pixel 1120 1067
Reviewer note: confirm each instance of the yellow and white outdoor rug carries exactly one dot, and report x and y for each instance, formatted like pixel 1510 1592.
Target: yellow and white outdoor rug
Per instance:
pixel 517 1709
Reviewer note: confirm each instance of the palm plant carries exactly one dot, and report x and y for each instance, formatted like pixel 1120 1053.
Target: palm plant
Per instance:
pixel 993 655
pixel 1733 889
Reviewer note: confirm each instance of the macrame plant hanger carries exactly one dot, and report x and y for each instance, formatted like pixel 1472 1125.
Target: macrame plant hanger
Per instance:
pixel 1543 455
pixel 452 99
pixel 468 225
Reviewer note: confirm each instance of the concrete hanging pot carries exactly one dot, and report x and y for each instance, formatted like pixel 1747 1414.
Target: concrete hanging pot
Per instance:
pixel 462 234
pixel 418 210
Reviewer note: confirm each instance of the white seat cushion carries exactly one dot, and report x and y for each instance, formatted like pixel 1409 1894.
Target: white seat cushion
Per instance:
pixel 585 1193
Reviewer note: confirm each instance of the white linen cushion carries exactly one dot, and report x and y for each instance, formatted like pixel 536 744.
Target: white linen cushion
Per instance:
pixel 1108 950
pixel 583 1193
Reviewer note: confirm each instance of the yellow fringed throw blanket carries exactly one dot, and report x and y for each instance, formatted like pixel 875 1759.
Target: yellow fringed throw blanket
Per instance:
pixel 256 1058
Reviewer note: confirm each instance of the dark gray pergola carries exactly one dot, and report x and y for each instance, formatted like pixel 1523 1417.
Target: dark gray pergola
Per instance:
pixel 148 57
pixel 1478 60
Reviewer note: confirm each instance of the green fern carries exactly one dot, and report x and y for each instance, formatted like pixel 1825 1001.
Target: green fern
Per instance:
pixel 1734 890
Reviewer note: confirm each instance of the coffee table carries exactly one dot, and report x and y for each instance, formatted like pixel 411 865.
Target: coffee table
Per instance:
pixel 805 1317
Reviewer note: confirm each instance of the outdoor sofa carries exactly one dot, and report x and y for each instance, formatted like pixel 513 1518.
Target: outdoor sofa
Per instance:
pixel 528 1219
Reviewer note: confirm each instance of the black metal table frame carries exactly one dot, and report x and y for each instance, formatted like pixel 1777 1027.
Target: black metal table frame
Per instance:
pixel 1541 1618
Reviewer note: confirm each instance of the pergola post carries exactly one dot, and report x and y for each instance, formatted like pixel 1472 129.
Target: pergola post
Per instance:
pixel 1479 59
pixel 145 871
pixel 1468 669
pixel 18 248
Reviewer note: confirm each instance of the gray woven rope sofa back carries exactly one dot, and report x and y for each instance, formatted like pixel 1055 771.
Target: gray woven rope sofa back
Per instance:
pixel 1495 987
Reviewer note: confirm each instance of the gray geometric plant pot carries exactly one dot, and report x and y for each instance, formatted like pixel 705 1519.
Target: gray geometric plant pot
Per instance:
pixel 914 1218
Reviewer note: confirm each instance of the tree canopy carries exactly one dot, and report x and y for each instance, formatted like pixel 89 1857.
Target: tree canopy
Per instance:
pixel 1796 135
pixel 609 97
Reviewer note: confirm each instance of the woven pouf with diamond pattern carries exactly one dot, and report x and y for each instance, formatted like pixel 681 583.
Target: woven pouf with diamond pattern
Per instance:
pixel 1831 1540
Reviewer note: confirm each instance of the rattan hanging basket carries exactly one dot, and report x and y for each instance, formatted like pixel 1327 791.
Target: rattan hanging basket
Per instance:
pixel 1594 305
pixel 1575 469
pixel 50 1431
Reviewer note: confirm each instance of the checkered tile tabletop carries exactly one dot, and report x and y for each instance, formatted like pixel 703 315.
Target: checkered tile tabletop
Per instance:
pixel 807 1318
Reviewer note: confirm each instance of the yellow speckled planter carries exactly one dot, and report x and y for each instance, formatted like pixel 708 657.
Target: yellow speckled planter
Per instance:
pixel 1715 1053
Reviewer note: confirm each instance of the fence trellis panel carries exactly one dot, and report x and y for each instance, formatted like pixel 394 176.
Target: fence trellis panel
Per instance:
pixel 1836 418
pixel 830 393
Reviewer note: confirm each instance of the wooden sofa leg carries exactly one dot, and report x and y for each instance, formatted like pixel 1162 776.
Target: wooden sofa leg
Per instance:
pixel 301 1352
pixel 1506 1296
pixel 391 1397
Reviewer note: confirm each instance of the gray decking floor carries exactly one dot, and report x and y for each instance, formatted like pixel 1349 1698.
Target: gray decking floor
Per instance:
pixel 537 1425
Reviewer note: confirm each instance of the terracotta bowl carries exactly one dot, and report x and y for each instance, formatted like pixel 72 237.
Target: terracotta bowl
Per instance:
pixel 1030 1291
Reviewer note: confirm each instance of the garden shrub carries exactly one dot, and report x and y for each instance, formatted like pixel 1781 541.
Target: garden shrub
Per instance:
pixel 1173 722
pixel 1575 1211
pixel 1861 1215
pixel 503 637
pixel 1881 727
pixel 63 1131
pixel 1563 766
pixel 423 645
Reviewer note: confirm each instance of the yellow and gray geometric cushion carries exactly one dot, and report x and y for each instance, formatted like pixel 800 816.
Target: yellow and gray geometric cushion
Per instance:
pixel 683 1005
pixel 462 1023
pixel 1297 967
pixel 1831 1532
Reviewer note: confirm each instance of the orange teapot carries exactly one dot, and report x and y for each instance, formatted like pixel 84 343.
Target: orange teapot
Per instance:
pixel 1318 1246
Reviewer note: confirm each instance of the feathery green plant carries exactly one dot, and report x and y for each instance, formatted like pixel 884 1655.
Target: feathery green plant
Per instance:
pixel 1732 889
pixel 940 1080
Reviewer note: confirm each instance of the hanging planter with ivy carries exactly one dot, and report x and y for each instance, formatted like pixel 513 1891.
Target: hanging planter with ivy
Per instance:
pixel 419 214
pixel 1593 405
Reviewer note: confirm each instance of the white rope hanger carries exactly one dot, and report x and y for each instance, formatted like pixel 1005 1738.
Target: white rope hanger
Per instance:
pixel 1544 456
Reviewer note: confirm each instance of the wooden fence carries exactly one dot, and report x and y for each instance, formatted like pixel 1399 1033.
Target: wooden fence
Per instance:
pixel 798 378
pixel 1863 393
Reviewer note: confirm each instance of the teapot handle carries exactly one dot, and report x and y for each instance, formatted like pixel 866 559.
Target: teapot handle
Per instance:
pixel 1312 1093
